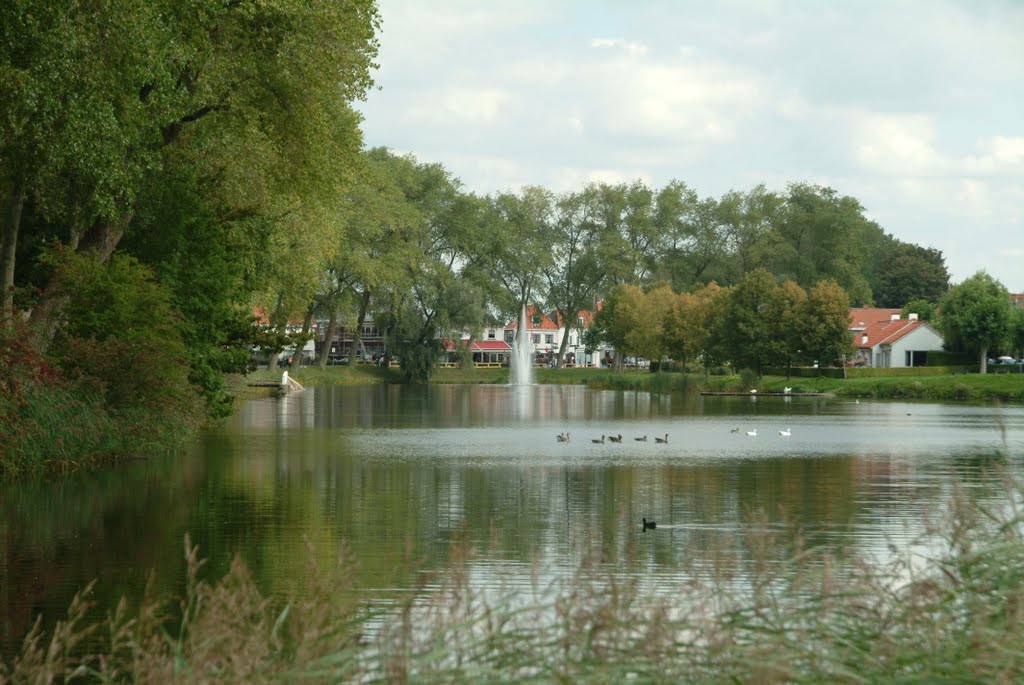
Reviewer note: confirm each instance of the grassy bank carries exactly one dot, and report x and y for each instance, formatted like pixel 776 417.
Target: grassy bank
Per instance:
pixel 797 616
pixel 970 387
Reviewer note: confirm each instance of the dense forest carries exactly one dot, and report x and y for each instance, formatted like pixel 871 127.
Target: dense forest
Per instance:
pixel 169 168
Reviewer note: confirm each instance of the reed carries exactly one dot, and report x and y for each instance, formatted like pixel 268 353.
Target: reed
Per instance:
pixel 771 613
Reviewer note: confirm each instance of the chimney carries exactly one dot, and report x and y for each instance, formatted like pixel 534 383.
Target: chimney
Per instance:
pixel 864 340
pixel 912 317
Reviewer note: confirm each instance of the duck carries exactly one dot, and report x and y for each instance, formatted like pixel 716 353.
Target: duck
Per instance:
pixel 596 441
pixel 649 525
pixel 752 433
pixel 735 430
pixel 643 439
pixel 615 438
pixel 785 433
pixel 562 437
pixel 662 440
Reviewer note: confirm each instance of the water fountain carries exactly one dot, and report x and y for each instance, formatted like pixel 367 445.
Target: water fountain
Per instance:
pixel 521 364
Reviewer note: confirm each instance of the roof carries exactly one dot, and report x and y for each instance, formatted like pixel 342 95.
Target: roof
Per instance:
pixel 545 321
pixel 861 317
pixel 886 332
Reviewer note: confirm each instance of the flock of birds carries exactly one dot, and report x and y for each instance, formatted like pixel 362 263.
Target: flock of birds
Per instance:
pixel 564 437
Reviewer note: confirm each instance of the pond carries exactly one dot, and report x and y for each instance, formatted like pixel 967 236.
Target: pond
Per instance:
pixel 397 475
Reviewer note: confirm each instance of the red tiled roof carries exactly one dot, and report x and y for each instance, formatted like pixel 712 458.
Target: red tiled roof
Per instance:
pixel 545 321
pixel 885 332
pixel 861 317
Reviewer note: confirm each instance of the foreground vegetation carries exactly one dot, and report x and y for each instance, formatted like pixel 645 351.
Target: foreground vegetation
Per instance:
pixel 769 614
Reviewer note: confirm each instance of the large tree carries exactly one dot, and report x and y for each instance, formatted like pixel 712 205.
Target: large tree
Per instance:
pixel 575 273
pixel 825 333
pixel 975 316
pixel 910 272
pixel 256 94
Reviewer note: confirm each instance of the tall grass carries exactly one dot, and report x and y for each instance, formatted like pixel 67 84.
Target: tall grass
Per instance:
pixel 772 614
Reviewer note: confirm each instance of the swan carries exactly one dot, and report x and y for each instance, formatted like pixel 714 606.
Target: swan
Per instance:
pixel 599 442
pixel 643 439
pixel 662 440
pixel 562 437
pixel 787 390
pixel 754 391
pixel 649 525
pixel 785 433
pixel 752 433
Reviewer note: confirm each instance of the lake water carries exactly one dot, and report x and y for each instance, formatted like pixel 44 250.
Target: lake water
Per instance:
pixel 401 473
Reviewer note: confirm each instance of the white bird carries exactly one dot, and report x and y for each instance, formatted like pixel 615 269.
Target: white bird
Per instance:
pixel 787 390
pixel 752 433
pixel 562 437
pixel 754 391
pixel 785 433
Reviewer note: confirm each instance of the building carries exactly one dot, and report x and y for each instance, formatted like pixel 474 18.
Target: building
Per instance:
pixel 544 335
pixel 885 340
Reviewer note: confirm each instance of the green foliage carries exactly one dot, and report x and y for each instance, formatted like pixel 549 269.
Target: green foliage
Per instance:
pixel 910 274
pixel 976 315
pixel 122 336
pixel 925 310
pixel 826 324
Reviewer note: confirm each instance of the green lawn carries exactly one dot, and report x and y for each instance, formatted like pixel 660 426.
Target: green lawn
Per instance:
pixel 973 387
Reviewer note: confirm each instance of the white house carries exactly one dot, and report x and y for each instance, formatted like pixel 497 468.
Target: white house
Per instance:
pixel 884 340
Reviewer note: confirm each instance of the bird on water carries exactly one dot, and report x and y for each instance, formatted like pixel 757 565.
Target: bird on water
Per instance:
pixel 662 440
pixel 599 442
pixel 649 525
pixel 643 439
pixel 614 438
pixel 562 437
pixel 785 433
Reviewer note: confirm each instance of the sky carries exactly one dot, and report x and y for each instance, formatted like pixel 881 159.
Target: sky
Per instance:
pixel 913 107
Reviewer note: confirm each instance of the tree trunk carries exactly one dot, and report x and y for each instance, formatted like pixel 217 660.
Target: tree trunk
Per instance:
pixel 325 348
pixel 11 222
pixel 465 354
pixel 560 360
pixel 983 359
pixel 357 332
pixel 101 239
pixel 307 323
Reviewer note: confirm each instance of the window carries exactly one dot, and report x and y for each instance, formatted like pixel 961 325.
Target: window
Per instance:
pixel 549 338
pixel 536 338
pixel 579 322
pixel 510 336
pixel 490 334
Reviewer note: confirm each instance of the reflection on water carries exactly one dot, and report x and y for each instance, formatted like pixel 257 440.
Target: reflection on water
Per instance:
pixel 400 473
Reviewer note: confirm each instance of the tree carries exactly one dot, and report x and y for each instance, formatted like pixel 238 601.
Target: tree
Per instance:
pixel 575 273
pixel 621 315
pixel 924 309
pixel 826 332
pixel 747 327
pixel 823 234
pixel 256 94
pixel 975 316
pixel 518 247
pixel 689 325
pixel 911 272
